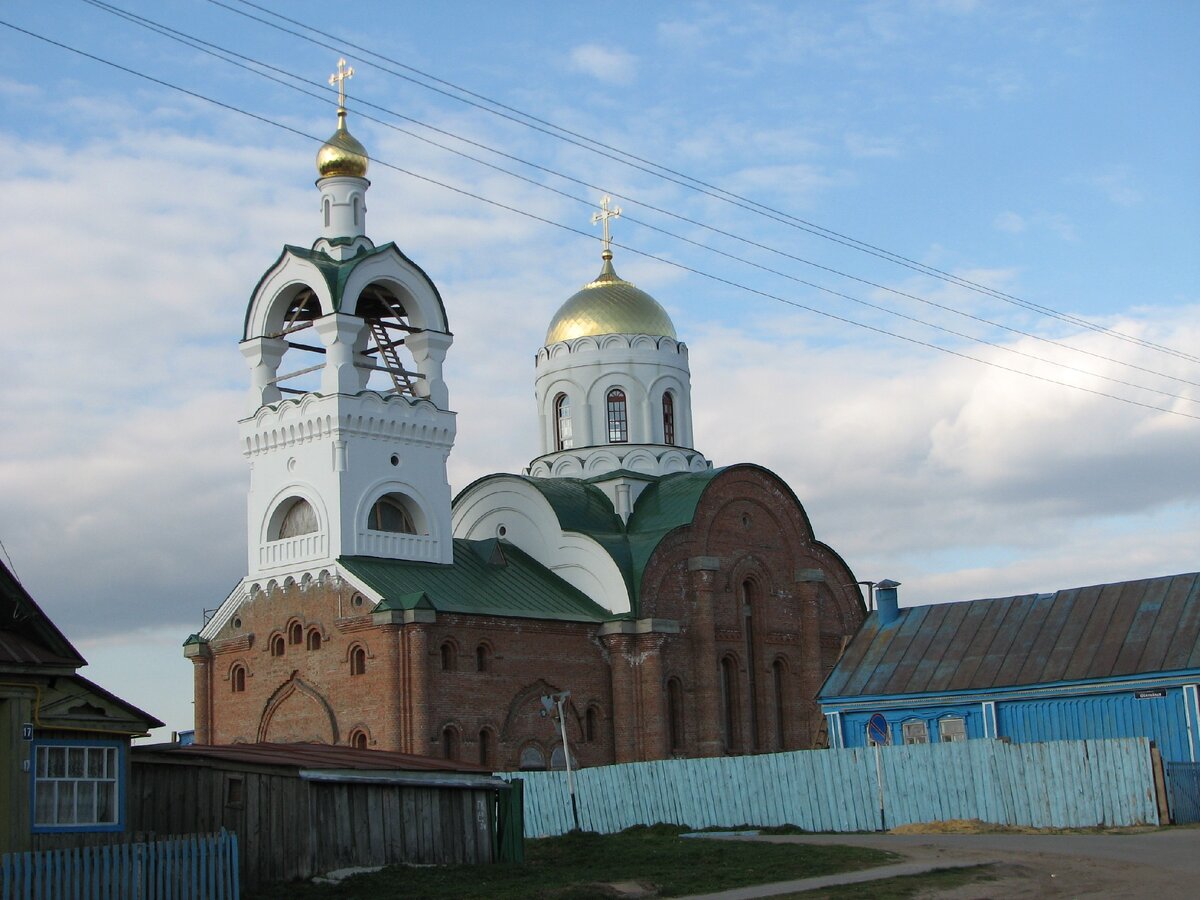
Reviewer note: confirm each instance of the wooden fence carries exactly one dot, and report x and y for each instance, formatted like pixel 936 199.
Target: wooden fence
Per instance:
pixel 1061 784
pixel 196 867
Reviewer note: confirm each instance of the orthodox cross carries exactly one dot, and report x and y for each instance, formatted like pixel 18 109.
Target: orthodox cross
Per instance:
pixel 603 216
pixel 339 78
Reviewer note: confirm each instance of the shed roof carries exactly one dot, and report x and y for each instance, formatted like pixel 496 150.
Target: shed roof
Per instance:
pixel 489 577
pixel 1079 634
pixel 306 757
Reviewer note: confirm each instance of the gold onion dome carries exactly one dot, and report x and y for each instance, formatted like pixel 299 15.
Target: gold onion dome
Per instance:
pixel 609 305
pixel 342 154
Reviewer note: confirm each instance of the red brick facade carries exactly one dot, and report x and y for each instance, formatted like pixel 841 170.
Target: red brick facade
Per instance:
pixel 742 614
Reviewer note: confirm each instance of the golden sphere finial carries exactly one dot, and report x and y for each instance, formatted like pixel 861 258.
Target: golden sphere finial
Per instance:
pixel 342 154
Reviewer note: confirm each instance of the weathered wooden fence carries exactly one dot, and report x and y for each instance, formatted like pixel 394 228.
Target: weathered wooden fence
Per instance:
pixel 1061 784
pixel 196 867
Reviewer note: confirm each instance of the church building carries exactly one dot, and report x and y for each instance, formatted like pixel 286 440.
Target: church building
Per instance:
pixel 675 608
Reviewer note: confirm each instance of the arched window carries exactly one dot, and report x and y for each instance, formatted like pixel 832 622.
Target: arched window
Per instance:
pixel 558 758
pixel 295 633
pixel 589 724
pixel 299 519
pixel 448 656
pixel 358 661
pixel 750 606
pixel 237 679
pixel 482 658
pixel 485 747
pixel 277 645
pixel 326 206
pixel 729 702
pixel 674 715
pixel 390 514
pixel 669 418
pixel 778 670
pixel 357 204
pixel 618 417
pixel 563 439
pixel 532 759
pixel 450 742
pixel 358 739
pixel 314 640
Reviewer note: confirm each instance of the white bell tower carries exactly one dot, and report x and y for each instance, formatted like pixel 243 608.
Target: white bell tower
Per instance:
pixel 348 424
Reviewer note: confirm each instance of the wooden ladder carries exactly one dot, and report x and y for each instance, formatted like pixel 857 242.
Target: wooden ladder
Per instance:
pixel 390 358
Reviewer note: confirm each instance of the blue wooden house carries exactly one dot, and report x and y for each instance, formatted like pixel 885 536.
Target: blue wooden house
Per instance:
pixel 1110 660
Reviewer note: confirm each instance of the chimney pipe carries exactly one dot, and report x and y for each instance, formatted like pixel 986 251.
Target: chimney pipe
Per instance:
pixel 886 601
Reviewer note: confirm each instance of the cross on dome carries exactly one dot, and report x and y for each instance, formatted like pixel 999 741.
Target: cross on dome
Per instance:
pixel 339 78
pixel 603 216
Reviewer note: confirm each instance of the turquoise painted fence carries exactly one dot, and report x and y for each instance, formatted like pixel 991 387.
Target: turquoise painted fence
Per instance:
pixel 1060 784
pixel 196 867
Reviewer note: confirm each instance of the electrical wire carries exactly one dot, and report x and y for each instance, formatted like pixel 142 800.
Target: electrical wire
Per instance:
pixel 570 229
pixel 599 147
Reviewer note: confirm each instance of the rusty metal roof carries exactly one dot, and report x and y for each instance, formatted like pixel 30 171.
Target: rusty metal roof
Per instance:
pixel 1080 634
pixel 305 756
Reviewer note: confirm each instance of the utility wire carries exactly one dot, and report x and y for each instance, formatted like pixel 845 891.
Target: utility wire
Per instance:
pixel 594 145
pixel 661 259
pixel 254 66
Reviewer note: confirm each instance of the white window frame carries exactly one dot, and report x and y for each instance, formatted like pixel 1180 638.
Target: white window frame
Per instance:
pixel 69 778
pixel 914 731
pixel 959 733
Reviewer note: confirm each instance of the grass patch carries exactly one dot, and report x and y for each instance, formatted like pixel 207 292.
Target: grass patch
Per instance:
pixel 903 887
pixel 581 865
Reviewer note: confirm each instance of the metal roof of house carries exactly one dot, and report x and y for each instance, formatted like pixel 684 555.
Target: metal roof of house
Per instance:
pixel 1080 634
pixel 27 635
pixel 491 578
pixel 306 756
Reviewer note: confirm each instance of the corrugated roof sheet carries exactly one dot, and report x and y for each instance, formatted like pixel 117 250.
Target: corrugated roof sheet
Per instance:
pixel 480 582
pixel 1080 634
pixel 308 756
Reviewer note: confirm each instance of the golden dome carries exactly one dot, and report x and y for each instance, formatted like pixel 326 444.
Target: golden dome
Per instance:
pixel 609 305
pixel 342 154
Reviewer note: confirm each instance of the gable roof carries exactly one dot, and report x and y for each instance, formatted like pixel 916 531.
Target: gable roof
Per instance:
pixel 27 635
pixel 487 578
pixel 305 756
pixel 1079 634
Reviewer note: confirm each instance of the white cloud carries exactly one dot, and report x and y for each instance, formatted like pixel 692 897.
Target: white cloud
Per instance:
pixel 607 64
pixel 1009 221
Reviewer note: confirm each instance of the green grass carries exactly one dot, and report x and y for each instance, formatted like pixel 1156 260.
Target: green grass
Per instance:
pixel 578 866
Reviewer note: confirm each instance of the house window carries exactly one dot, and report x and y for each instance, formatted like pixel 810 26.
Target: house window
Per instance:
pixel 952 728
pixel 668 418
pixel 390 514
pixel 915 733
pixel 295 633
pixel 358 661
pixel 618 417
pixel 314 640
pixel 77 786
pixel 563 439
pixel 237 679
pixel 277 645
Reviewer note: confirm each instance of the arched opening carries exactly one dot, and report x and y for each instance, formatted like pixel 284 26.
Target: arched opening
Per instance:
pixel 326 206
pixel 314 640
pixel 237 679
pixel 450 742
pixel 295 633
pixel 778 671
pixel 589 724
pixel 668 418
pixel 729 702
pixel 558 758
pixel 482 658
pixel 750 602
pixel 449 654
pixel 674 715
pixel 277 645
pixel 391 513
pixel 299 518
pixel 532 759
pixel 358 739
pixel 618 417
pixel 485 747
pixel 563 438
pixel 358 661
pixel 387 327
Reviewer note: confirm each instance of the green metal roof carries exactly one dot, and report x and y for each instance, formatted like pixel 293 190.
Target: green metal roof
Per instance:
pixel 487 578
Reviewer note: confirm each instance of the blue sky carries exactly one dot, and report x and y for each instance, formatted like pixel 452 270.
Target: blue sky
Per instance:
pixel 1047 151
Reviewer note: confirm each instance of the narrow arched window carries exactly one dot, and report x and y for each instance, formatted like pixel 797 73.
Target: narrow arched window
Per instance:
pixel 390 514
pixel 481 658
pixel 314 640
pixel 668 409
pixel 563 439
pixel 358 739
pixel 237 679
pixel 485 747
pixel 674 715
pixel 729 702
pixel 448 657
pixel 357 204
pixel 450 742
pixel 618 417
pixel 277 645
pixel 778 670
pixel 589 724
pixel 358 661
pixel 326 206
pixel 295 633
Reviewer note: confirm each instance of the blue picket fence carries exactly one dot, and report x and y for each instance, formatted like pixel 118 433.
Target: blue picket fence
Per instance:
pixel 1061 784
pixel 195 867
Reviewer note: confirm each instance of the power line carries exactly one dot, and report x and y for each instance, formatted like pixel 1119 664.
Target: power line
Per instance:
pixel 535 217
pixel 254 66
pixel 594 145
